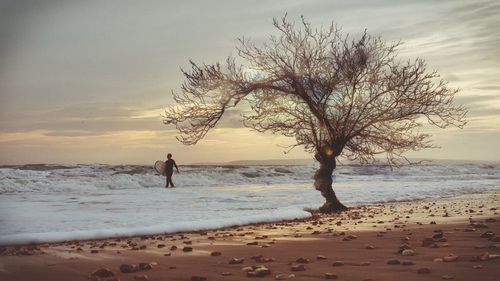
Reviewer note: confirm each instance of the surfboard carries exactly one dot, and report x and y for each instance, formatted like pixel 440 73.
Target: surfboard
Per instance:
pixel 160 167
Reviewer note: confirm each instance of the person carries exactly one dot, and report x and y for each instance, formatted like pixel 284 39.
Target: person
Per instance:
pixel 169 169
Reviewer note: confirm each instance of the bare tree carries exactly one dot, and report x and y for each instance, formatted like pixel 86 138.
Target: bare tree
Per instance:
pixel 334 94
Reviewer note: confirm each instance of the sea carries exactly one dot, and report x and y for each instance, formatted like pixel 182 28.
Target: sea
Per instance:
pixel 49 203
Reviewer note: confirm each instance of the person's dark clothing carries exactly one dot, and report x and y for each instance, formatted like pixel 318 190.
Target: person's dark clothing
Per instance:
pixel 169 171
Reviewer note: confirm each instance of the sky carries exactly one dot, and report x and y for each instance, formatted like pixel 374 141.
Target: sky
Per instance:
pixel 88 81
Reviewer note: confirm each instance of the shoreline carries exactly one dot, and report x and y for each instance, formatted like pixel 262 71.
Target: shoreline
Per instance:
pixel 363 240
pixel 314 214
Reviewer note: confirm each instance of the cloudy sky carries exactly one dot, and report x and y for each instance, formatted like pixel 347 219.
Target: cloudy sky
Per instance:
pixel 87 81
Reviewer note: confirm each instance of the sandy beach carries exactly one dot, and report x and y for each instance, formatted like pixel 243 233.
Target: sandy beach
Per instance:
pixel 454 238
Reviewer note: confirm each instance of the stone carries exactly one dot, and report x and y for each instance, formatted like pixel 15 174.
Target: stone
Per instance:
pixel 128 268
pixel 215 254
pixel 284 276
pixel 495 239
pixel 447 277
pixel 226 273
pixel 187 249
pixel 173 248
pixel 329 275
pixel 141 277
pixel 94 251
pixel 493 257
pixel 408 252
pixel 145 266
pixel 260 271
pixel 298 267
pixel 393 261
pixel 338 263
pixel 103 272
pixel 236 260
pixel 423 270
pixel 198 278
pixel 477 266
pixel 320 257
pixel 302 260
pixel 369 247
pixel 487 234
pixel 450 258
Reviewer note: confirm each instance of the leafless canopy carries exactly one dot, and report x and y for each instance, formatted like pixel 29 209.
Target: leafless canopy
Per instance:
pixel 327 90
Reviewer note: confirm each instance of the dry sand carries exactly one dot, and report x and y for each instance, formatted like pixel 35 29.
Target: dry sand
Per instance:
pixel 463 243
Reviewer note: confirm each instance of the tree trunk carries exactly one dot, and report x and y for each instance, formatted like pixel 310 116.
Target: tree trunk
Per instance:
pixel 323 183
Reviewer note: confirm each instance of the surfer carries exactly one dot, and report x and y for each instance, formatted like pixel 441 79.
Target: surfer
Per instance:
pixel 169 169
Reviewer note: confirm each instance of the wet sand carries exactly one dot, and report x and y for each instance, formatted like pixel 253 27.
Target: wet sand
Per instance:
pixel 456 238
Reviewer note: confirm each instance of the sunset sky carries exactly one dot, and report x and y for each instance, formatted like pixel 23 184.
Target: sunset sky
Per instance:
pixel 87 81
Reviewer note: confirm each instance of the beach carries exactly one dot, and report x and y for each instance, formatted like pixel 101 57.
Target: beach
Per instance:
pixel 435 239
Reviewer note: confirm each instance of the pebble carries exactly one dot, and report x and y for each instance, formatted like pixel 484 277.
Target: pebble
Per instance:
pixel 423 270
pixel 298 267
pixel 477 266
pixel 329 275
pixel 493 257
pixel 259 271
pixel 337 263
pixel 226 273
pixel 302 260
pixel 247 268
pixel 438 260
pixel 393 261
pixel 448 277
pixel 369 247
pixel 320 257
pixel 487 234
pixel 495 239
pixel 450 258
pixel 198 278
pixel 284 276
pixel 142 277
pixel 145 266
pixel 215 254
pixel 408 252
pixel 236 260
pixel 128 268
pixel 103 272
